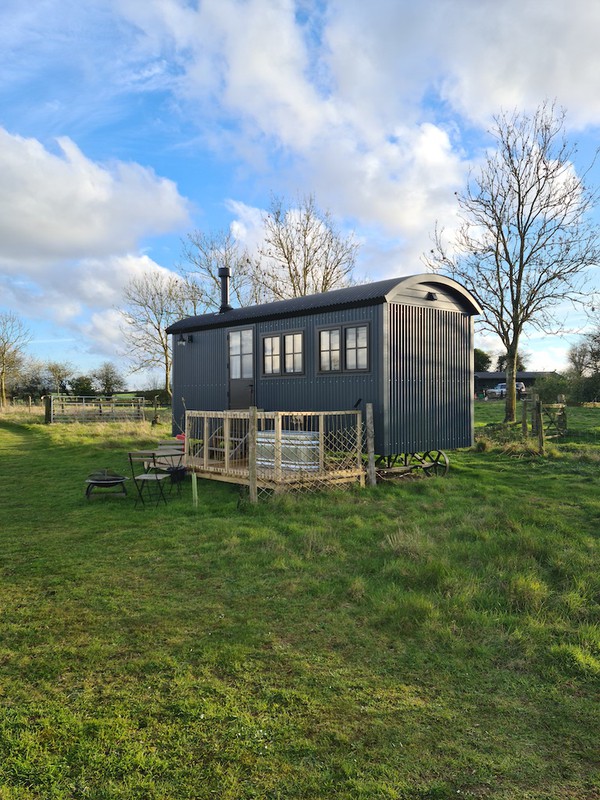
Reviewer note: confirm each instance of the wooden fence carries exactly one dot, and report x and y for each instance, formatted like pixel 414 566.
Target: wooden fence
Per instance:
pixel 547 420
pixel 275 451
pixel 67 408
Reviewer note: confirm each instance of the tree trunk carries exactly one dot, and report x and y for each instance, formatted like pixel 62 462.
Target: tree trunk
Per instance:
pixel 510 408
pixel 2 390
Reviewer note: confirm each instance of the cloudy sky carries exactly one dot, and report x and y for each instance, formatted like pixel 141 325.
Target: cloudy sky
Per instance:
pixel 124 124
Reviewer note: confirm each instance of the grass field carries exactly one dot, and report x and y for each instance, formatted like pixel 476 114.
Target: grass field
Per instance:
pixel 425 639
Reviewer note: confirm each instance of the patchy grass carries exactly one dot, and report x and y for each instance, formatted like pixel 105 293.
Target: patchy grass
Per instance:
pixel 425 639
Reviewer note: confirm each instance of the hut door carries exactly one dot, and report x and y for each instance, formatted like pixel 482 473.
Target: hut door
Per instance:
pixel 241 369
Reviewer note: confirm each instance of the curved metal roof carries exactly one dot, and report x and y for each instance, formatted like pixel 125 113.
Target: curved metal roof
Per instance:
pixel 350 296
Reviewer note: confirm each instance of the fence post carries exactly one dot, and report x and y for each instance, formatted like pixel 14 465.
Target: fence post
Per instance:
pixel 194 489
pixel 48 409
pixel 226 439
pixel 540 426
pixel 205 443
pixel 278 447
pixel 359 448
pixel 321 442
pixel 371 446
pixel 252 477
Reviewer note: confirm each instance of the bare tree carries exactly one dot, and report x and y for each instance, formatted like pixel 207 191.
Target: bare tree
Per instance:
pixel 59 375
pixel 14 337
pixel 303 251
pixel 525 236
pixel 108 379
pixel 204 254
pixel 584 356
pixel 152 302
pixel 30 379
pixel 579 359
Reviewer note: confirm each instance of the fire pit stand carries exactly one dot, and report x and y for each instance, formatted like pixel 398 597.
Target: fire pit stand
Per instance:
pixel 106 479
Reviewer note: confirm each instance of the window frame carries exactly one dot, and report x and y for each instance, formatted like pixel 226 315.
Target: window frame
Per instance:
pixel 356 349
pixel 281 335
pixel 241 354
pixel 342 328
pixel 263 338
pixel 329 329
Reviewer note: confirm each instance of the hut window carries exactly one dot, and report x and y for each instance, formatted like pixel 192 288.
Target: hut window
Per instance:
pixel 240 354
pixel 293 353
pixel 283 353
pixel 329 350
pixel 271 355
pixel 356 354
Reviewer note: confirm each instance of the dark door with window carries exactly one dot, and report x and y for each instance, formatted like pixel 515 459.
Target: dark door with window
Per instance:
pixel 241 369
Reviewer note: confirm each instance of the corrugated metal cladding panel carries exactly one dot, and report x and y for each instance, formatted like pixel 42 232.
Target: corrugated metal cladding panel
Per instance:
pixel 200 374
pixel 313 391
pixel 430 403
pixel 201 380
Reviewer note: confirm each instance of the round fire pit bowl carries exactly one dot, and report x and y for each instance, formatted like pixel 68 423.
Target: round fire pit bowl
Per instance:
pixel 106 479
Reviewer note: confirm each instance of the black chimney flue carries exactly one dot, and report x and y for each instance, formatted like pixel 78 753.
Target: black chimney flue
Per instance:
pixel 224 275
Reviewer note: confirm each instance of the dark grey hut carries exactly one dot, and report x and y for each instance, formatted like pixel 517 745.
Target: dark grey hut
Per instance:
pixel 403 344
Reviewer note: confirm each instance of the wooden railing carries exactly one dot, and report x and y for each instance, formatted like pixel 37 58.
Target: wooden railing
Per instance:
pixel 275 451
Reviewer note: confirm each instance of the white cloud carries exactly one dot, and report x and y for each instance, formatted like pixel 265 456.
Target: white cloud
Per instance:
pixel 247 226
pixel 516 53
pixel 67 293
pixel 332 111
pixel 103 332
pixel 65 206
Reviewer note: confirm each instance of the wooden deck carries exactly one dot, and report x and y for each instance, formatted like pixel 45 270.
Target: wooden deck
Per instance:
pixel 276 451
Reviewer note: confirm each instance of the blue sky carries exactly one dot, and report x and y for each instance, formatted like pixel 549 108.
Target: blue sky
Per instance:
pixel 125 124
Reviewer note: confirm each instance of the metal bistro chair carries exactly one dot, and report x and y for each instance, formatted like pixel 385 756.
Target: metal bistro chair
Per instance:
pixel 171 460
pixel 150 477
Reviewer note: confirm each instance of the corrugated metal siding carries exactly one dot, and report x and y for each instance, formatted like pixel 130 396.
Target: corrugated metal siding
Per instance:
pixel 312 391
pixel 200 371
pixel 430 382
pixel 200 374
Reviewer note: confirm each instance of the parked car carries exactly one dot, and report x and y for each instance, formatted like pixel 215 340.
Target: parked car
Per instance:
pixel 499 391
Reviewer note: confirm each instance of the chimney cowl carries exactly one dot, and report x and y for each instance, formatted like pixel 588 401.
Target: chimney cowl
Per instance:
pixel 224 275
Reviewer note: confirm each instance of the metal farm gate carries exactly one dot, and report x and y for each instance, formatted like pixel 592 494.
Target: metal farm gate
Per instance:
pixel 67 408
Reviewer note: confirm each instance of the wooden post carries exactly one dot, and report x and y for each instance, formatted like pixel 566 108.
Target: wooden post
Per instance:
pixel 540 427
pixel 277 445
pixel 372 475
pixel 359 448
pixel 205 435
pixel 321 442
pixel 226 439
pixel 524 419
pixel 194 489
pixel 252 476
pixel 534 401
pixel 48 409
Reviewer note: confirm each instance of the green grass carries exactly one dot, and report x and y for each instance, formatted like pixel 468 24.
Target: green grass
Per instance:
pixel 425 639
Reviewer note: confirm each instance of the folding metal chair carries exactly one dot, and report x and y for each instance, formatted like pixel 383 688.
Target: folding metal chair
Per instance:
pixel 150 477
pixel 171 461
